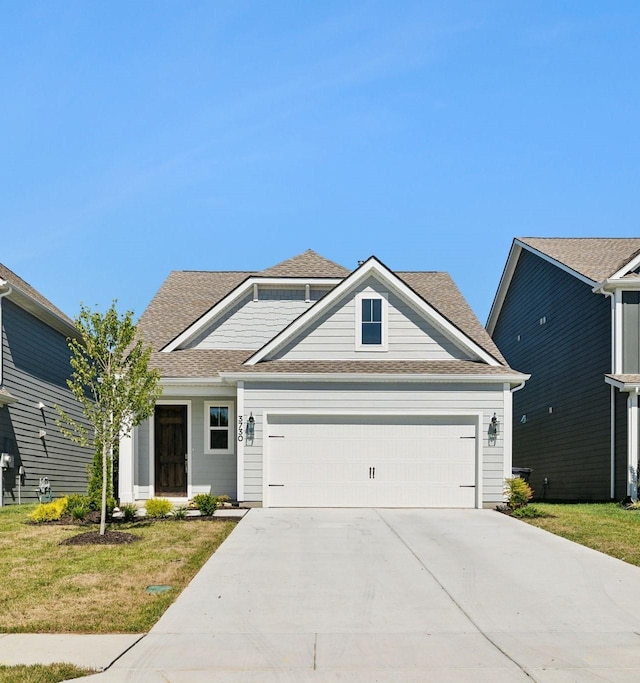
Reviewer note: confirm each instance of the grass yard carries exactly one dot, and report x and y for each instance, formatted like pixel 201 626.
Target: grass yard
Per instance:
pixel 37 673
pixel 602 526
pixel 49 588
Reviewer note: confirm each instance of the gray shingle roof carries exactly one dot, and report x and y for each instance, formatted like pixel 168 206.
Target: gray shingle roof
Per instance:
pixel 187 295
pixel 597 258
pixel 307 264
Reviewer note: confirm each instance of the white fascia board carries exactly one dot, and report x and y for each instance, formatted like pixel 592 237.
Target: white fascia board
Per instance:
pixel 235 295
pixel 503 287
pixel 628 268
pixel 39 310
pixel 623 386
pixel 514 379
pixel 372 265
pixel 558 264
pixel 612 284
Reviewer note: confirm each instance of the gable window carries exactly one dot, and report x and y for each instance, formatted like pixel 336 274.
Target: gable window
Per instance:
pixel 219 423
pixel 371 321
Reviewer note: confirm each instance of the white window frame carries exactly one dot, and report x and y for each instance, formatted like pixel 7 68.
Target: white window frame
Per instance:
pixel 231 427
pixel 383 298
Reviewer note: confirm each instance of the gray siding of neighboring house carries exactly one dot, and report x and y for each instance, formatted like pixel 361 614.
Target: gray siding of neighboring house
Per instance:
pixel 410 336
pixel 35 368
pixel 567 357
pixel 395 398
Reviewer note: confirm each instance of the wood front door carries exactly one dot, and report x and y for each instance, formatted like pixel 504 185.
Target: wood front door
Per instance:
pixel 171 450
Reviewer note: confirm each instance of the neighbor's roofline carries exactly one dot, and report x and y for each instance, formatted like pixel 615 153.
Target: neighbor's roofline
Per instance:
pixel 507 275
pixel 30 304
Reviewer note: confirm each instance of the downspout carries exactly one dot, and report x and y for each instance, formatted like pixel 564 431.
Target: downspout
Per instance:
pixel 3 283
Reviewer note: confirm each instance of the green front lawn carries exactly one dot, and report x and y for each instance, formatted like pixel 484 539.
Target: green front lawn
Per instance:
pixel 602 526
pixel 53 588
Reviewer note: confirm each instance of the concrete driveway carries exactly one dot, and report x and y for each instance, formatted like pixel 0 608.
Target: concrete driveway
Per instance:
pixel 396 596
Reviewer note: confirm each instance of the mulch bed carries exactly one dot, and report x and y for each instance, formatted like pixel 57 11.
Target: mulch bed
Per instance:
pixel 94 538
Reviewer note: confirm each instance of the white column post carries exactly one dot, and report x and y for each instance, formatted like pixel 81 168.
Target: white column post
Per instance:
pixel 241 436
pixel 126 470
pixel 632 445
pixel 507 430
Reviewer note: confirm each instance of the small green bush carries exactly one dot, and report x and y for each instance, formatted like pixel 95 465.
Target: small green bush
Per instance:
pixel 180 512
pixel 518 492
pixel 78 506
pixel 528 512
pixel 49 512
pixel 129 511
pixel 157 508
pixel 206 503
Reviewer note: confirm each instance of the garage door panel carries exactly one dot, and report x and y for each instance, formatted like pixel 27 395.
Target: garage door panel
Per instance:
pixel 402 461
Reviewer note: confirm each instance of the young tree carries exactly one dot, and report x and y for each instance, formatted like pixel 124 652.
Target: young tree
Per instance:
pixel 113 383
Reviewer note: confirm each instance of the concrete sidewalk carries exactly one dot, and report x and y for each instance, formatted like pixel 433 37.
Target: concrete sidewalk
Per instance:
pixel 355 596
pixel 91 651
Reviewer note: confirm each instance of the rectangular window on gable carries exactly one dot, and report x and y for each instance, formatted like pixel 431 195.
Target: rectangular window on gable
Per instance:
pixel 218 428
pixel 372 321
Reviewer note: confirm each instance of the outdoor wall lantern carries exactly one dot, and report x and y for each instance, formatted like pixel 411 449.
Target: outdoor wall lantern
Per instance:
pixel 251 425
pixel 494 430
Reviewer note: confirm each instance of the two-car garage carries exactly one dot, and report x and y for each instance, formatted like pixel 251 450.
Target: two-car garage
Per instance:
pixel 371 461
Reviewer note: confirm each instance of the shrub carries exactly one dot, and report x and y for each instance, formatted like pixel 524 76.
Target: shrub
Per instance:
pixel 518 492
pixel 78 506
pixel 206 503
pixel 157 508
pixel 180 512
pixel 49 512
pixel 129 511
pixel 528 512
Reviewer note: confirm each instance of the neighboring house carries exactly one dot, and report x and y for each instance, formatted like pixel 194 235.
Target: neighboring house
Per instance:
pixel 34 367
pixel 309 385
pixel 567 312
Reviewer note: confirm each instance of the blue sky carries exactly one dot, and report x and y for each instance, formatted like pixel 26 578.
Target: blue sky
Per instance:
pixel 139 137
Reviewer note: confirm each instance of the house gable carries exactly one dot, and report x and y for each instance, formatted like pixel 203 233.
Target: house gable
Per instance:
pixel 414 329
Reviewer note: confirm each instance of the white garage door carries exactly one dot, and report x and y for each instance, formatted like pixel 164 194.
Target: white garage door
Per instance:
pixel 372 461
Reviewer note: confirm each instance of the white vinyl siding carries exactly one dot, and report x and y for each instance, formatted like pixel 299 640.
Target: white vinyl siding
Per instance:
pixel 335 336
pixel 363 398
pixel 251 324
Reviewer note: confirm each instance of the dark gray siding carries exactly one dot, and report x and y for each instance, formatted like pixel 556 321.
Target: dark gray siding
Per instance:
pixel 567 356
pixel 35 368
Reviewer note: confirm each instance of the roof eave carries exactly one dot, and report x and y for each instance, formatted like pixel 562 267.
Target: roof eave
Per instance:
pixel 513 379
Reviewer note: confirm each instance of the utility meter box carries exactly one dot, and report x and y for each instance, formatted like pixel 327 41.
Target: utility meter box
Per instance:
pixel 6 460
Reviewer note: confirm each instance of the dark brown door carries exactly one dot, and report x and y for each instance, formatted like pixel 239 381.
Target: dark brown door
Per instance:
pixel 171 450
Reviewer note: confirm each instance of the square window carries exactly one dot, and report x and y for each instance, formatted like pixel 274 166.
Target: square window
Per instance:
pixel 219 439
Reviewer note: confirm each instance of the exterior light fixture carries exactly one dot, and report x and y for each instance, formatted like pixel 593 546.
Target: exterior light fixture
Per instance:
pixel 494 430
pixel 251 426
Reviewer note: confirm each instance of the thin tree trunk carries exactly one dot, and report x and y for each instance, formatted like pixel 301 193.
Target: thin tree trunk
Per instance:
pixel 103 507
